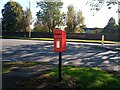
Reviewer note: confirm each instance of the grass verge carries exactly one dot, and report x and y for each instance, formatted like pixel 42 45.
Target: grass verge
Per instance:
pixel 73 77
pixel 68 40
pixel 90 41
pixel 8 66
pixel 76 40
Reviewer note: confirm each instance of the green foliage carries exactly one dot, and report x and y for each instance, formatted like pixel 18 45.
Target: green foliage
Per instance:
pixel 0 25
pixel 74 20
pixel 9 66
pixel 111 27
pixel 74 77
pixel 27 20
pixel 39 28
pixel 96 5
pixel 118 26
pixel 12 17
pixel 6 68
pixel 79 30
pixel 49 14
pixel 89 77
pixel 96 31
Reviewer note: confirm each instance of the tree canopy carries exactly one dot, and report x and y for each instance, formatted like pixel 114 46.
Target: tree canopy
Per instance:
pixel 74 19
pixel 12 16
pixel 0 24
pixel 119 26
pixel 49 14
pixel 96 5
pixel 111 27
pixel 27 20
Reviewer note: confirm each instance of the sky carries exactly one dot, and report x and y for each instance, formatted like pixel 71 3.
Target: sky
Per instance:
pixel 100 19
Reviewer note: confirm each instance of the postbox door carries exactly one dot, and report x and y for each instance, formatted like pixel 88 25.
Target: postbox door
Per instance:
pixel 57 45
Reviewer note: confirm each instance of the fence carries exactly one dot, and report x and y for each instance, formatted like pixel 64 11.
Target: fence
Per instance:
pixel 111 37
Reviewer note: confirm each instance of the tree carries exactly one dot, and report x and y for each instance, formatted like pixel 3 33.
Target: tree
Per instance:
pixel 111 27
pixel 96 5
pixel 12 16
pixel 119 26
pixel 74 19
pixel 0 24
pixel 39 28
pixel 27 20
pixel 49 14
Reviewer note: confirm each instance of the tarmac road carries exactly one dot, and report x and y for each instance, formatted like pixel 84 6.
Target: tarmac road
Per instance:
pixel 78 54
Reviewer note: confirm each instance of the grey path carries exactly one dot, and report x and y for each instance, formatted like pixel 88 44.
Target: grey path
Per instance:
pixel 78 54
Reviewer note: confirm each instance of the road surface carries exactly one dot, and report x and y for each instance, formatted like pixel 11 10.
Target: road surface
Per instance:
pixel 77 54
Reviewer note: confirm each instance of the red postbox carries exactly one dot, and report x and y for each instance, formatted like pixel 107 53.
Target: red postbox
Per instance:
pixel 59 40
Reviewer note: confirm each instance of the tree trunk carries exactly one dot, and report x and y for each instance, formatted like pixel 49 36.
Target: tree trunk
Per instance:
pixel 49 29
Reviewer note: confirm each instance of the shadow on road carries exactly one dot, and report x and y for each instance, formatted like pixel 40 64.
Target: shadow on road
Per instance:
pixel 75 54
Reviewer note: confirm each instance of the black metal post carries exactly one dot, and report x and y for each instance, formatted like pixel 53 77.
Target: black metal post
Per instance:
pixel 60 63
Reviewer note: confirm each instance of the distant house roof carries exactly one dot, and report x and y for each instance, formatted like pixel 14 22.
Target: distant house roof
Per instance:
pixel 91 28
pixel 88 31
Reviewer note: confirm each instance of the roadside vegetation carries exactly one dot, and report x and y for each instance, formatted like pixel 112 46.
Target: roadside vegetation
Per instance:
pixel 49 16
pixel 9 66
pixel 76 40
pixel 73 77
pixel 68 40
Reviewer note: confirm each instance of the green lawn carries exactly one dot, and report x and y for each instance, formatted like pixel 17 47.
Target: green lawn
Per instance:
pixel 74 77
pixel 44 39
pixel 68 40
pixel 90 41
pixel 8 66
pixel 76 40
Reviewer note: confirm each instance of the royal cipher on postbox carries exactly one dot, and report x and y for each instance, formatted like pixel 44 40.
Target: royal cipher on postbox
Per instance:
pixel 59 40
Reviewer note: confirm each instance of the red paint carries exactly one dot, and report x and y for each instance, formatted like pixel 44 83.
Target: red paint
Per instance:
pixel 59 37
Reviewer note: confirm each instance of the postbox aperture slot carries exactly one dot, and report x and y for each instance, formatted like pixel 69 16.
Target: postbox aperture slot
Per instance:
pixel 58 34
